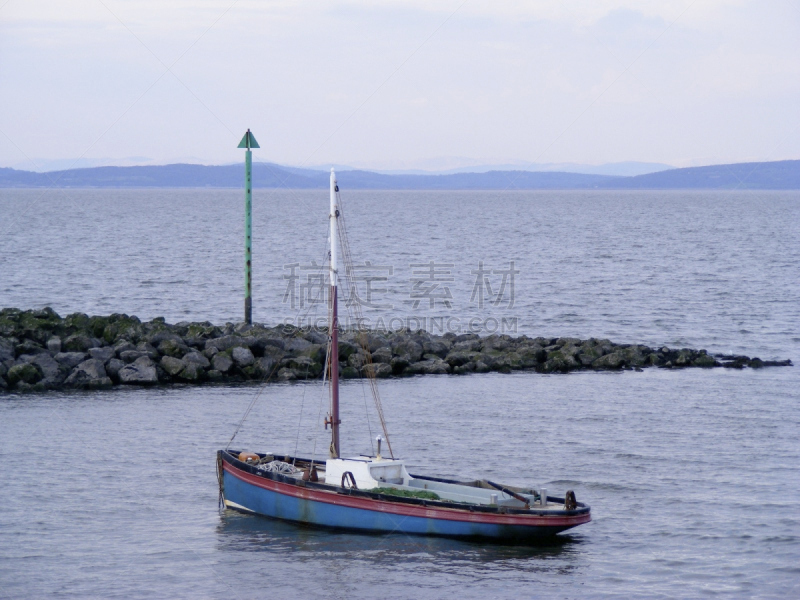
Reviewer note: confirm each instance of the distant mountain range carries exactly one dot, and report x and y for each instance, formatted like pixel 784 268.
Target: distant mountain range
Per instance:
pixel 444 166
pixel 779 175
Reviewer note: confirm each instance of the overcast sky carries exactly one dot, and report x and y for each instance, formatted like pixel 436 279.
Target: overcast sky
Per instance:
pixel 400 84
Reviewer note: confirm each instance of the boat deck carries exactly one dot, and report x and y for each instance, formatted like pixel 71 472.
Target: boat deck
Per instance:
pixel 479 494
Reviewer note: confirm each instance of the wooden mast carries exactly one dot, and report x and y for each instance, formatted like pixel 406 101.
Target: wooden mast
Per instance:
pixel 334 325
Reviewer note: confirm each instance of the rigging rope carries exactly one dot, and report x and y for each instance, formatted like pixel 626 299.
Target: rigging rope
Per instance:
pixel 362 334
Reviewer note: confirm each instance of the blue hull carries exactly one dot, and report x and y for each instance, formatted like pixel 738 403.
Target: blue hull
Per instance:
pixel 244 496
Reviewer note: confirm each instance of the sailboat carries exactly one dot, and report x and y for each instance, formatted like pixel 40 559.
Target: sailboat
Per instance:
pixel 376 493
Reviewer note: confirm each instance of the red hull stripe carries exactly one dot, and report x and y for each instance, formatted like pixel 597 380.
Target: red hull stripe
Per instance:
pixel 409 510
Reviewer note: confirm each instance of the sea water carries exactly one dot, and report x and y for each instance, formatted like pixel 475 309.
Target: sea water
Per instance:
pixel 693 475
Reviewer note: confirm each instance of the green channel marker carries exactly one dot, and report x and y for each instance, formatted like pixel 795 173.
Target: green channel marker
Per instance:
pixel 248 142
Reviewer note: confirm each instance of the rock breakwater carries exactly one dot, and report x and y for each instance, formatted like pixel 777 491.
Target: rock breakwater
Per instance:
pixel 39 350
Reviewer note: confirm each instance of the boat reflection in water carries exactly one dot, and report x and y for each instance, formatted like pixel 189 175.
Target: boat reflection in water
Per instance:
pixel 240 532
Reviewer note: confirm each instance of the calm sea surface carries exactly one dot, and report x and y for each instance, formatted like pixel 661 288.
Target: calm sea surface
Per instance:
pixel 693 476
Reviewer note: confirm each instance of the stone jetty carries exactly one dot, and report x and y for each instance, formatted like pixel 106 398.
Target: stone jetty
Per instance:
pixel 39 350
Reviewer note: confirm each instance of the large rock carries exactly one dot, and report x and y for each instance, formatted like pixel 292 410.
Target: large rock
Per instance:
pixel 128 356
pixel 654 359
pixel 615 360
pixel 380 370
pixel 195 357
pixel 460 357
pixel 304 367
pixel 482 367
pixel 685 358
pixel 531 356
pixel 296 345
pixel 509 361
pixel 315 352
pixel 437 347
pixel 409 349
pixel 382 355
pixel 156 338
pixel 362 339
pixel 399 364
pixel 28 346
pixel 705 361
pixel 200 331
pixel 191 372
pixel 148 349
pixel 636 355
pixel 469 345
pixel 24 373
pixel 570 349
pixel 468 367
pixel 285 374
pixel 70 360
pixel 346 349
pixel 262 341
pixel 357 360
pixel 222 362
pixel 121 326
pixel 90 374
pixel 350 373
pixel 123 346
pixel 315 337
pixel 54 344
pixel 558 361
pixel 53 372
pixel 103 354
pixel 142 371
pixel 587 354
pixel 376 341
pixel 6 350
pixel 80 343
pixel 243 357
pixel 227 342
pixel 113 368
pixel 276 353
pixel 172 347
pixel 262 368
pixel 214 375
pixel 428 367
pixel 495 342
pixel 172 365
pixel 537 349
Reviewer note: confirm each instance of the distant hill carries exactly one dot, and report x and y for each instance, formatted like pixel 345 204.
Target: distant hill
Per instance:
pixel 164 176
pixel 273 176
pixel 780 175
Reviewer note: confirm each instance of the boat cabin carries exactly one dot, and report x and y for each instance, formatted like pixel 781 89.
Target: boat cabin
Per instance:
pixel 368 472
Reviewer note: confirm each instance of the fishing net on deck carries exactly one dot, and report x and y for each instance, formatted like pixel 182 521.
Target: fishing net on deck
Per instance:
pixel 278 466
